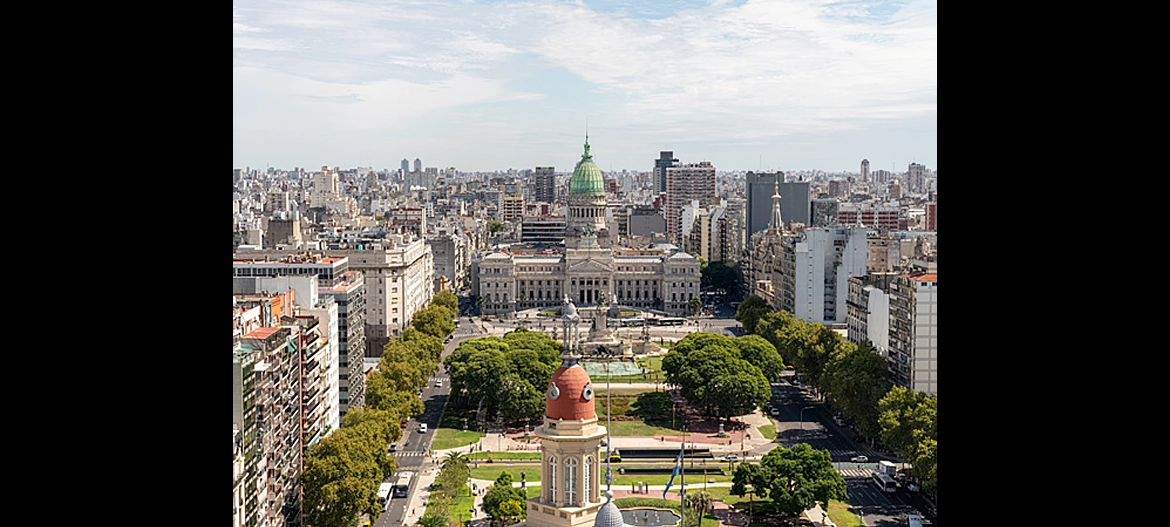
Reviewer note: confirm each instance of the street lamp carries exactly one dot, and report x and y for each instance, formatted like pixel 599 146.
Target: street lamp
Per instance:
pixel 802 418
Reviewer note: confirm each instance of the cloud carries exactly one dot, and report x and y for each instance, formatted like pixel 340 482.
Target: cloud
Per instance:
pixel 720 67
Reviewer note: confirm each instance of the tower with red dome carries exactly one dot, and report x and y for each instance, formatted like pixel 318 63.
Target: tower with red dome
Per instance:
pixel 571 459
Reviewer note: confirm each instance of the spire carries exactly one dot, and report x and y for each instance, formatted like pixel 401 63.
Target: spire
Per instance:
pixel 586 155
pixel 776 224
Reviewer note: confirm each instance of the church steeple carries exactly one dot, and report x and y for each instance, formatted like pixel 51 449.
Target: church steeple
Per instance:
pixel 776 224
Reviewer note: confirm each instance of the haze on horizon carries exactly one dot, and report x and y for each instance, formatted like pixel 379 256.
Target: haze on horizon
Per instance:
pixel 490 85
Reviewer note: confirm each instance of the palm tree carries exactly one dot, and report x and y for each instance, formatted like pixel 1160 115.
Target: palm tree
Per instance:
pixel 432 520
pixel 700 502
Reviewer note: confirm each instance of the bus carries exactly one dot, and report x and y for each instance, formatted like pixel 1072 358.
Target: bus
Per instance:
pixel 885 483
pixel 402 485
pixel 671 321
pixel 628 322
pixel 384 492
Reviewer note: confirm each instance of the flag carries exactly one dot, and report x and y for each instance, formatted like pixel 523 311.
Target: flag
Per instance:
pixel 677 469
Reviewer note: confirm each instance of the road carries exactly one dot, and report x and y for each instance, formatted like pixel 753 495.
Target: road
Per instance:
pixel 413 447
pixel 803 419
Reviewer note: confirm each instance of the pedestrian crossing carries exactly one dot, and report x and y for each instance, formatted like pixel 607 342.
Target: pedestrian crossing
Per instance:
pixel 414 453
pixel 852 470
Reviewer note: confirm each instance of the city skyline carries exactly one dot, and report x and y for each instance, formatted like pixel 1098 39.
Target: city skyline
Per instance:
pixel 484 86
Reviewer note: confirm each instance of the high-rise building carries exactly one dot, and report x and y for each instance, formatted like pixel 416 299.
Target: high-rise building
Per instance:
pixel 913 358
pixel 795 199
pixel 815 270
pixel 665 160
pixel 405 166
pixel 417 165
pixel 881 217
pixel 337 289
pixel 865 171
pixel 684 183
pixel 916 179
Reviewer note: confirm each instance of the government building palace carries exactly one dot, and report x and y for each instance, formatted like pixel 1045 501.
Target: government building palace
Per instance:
pixel 590 269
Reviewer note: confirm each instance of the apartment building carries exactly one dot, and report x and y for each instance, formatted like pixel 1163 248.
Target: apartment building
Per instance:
pixel 277 424
pixel 398 272
pixel 814 272
pixel 326 287
pixel 882 217
pixel 684 184
pixel 913 339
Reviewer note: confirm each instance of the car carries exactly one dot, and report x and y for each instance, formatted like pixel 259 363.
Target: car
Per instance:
pixel 776 411
pixel 859 459
pixel 403 423
pixel 393 447
pixel 731 457
pixel 422 428
pixel 438 384
pixel 912 487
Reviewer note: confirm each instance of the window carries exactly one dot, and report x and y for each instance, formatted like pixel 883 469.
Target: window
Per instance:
pixel 571 482
pixel 552 479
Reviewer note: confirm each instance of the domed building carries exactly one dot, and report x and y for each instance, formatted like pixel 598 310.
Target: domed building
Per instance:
pixel 591 269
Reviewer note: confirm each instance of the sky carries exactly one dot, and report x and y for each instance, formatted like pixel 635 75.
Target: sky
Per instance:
pixel 485 85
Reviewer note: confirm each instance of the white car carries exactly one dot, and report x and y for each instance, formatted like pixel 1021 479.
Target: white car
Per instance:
pixel 859 459
pixel 438 384
pixel 422 428
pixel 731 457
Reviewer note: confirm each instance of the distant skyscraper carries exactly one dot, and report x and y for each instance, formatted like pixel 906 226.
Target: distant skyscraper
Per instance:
pixel 916 178
pixel 544 185
pixel 683 184
pixel 865 170
pixel 665 160
pixel 417 165
pixel 405 166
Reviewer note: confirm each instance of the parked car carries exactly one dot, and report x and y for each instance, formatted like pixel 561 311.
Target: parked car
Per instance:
pixel 859 459
pixel 731 457
pixel 393 447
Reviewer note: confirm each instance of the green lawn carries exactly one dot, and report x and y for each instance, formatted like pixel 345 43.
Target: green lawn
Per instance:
pixel 491 473
pixel 842 515
pixel 769 431
pixel 505 455
pixel 451 438
pixel 693 481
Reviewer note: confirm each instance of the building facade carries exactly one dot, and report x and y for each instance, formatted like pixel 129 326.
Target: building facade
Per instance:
pixel 684 184
pixel 590 270
pixel 913 355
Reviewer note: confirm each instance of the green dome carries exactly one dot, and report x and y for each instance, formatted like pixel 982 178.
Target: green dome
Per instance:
pixel 587 179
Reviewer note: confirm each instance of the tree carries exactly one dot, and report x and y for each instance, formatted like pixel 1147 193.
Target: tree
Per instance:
pixel 503 502
pixel 519 400
pixel 695 304
pixel 794 479
pixel 749 312
pixel 771 325
pixel 495 226
pixel 435 321
pixel 340 480
pixel 700 502
pixel 756 350
pixel 857 380
pixel 447 300
pixel 909 424
pixel 720 276
pixel 710 374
